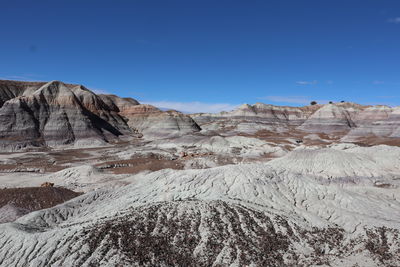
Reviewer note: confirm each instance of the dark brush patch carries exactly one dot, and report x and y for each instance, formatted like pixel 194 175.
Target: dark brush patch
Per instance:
pixel 249 236
pixel 35 198
pixel 379 242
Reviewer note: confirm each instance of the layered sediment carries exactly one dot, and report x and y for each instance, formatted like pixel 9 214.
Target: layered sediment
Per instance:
pixel 57 114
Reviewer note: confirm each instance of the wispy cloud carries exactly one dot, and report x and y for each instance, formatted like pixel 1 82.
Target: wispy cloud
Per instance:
pixel 377 82
pixel 100 91
pixel 303 100
pixel 23 77
pixel 394 20
pixel 287 99
pixel 192 107
pixel 103 91
pixel 387 96
pixel 15 77
pixel 307 82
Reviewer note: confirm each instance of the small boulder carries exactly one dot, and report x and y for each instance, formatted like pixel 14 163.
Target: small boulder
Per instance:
pixel 47 184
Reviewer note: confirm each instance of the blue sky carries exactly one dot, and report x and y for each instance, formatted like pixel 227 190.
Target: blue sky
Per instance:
pixel 209 55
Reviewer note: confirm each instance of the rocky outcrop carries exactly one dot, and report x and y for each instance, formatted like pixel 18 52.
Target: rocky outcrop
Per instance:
pixel 262 113
pixel 47 184
pixel 153 122
pixel 376 121
pixel 57 114
pixel 252 118
pixel 12 89
pixel 53 114
pixel 149 120
pixel 118 104
pixel 273 114
pixel 328 119
pixel 37 114
pixel 349 121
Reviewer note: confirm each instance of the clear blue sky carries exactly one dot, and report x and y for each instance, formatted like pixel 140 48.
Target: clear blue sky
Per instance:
pixel 216 53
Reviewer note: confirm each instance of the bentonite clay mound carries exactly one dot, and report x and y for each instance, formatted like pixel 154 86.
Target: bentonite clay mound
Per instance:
pixel 56 114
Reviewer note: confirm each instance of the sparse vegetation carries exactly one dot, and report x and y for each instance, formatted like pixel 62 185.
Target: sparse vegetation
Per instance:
pixel 378 245
pixel 35 198
pixel 139 238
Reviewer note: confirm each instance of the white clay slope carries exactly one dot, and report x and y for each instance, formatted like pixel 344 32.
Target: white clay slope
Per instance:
pixel 297 196
pixel 331 163
pixel 227 146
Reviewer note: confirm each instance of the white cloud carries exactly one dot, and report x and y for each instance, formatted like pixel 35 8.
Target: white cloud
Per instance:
pixel 307 82
pixel 303 100
pixel 192 107
pixel 394 20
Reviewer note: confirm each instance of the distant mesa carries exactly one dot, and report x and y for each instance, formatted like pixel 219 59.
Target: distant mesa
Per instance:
pixel 54 114
pixel 349 122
